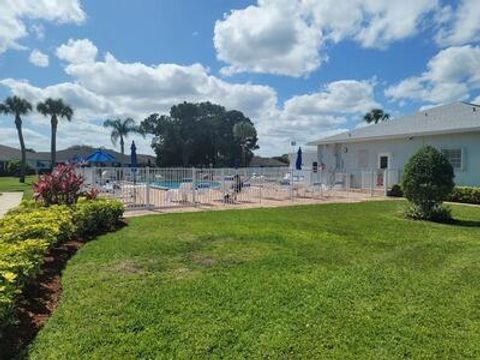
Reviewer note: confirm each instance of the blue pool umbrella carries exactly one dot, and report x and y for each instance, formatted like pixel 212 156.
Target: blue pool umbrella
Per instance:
pixel 133 155
pixel 99 156
pixel 298 163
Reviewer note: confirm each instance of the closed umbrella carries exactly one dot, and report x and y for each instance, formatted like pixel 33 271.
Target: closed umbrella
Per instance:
pixel 133 155
pixel 298 163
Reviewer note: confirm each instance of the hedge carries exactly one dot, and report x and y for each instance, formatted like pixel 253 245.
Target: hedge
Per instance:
pixel 28 232
pixel 465 194
pixel 460 194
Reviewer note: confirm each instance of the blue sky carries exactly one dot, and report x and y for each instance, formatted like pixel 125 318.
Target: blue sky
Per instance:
pixel 300 69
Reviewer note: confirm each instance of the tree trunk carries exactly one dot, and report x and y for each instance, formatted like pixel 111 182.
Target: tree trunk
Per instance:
pixel 122 145
pixel 53 146
pixel 18 124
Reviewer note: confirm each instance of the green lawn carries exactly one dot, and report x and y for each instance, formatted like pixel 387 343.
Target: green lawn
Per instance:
pixel 8 184
pixel 343 281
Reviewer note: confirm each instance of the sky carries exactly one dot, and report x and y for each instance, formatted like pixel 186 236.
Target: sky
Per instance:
pixel 299 69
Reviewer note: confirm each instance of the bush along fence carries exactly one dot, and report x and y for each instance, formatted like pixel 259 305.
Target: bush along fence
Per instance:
pixel 460 194
pixel 28 232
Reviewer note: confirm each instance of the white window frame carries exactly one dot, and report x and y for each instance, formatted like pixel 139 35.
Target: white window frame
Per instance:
pixel 462 156
pixel 380 155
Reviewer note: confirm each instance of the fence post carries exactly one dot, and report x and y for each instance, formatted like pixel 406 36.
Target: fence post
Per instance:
pixel 94 177
pixel 147 197
pixel 261 184
pixel 385 181
pixel 291 185
pixel 194 187
pixel 223 186
pixel 372 181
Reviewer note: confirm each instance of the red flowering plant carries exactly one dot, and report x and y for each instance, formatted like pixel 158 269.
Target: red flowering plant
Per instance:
pixel 62 186
pixel 91 194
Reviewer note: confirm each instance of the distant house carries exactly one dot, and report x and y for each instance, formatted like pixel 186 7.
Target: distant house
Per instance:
pixel 454 129
pixel 35 160
pixel 41 160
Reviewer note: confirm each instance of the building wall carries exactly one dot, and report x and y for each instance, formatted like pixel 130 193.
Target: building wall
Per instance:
pixel 364 155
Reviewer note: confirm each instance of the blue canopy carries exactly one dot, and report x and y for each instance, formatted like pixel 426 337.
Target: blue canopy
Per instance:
pixel 298 163
pixel 99 156
pixel 133 155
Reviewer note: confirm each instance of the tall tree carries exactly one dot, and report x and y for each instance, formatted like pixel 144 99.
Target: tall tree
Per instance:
pixel 121 129
pixel 197 135
pixel 55 108
pixel 375 116
pixel 244 132
pixel 18 107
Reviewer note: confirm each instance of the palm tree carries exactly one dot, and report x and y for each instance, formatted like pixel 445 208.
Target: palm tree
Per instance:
pixel 244 132
pixel 55 108
pixel 121 129
pixel 18 107
pixel 375 116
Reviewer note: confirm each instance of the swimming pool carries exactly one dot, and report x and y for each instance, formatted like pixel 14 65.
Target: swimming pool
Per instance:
pixel 169 184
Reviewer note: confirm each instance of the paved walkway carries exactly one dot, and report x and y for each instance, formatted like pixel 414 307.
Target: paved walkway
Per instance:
pixel 9 200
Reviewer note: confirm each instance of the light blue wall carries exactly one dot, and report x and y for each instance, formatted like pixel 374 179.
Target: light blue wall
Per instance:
pixel 402 149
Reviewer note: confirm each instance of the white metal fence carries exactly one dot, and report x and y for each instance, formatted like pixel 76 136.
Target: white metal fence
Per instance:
pixel 186 187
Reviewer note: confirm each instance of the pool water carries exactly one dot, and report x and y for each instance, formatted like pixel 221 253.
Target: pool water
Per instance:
pixel 167 184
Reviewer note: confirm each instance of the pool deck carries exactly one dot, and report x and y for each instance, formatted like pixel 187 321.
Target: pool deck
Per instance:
pixel 265 203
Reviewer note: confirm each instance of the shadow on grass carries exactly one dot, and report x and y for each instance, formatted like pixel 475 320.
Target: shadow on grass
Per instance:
pixel 465 223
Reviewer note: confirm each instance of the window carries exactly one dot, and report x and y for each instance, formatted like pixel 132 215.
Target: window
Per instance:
pixel 383 162
pixel 363 159
pixel 455 156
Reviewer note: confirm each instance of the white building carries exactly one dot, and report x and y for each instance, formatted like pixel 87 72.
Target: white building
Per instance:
pixel 453 129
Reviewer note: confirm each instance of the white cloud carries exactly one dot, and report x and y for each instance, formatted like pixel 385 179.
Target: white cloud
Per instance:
pixel 307 117
pixel 108 88
pixel 14 12
pixel 77 51
pixel 451 75
pixel 462 25
pixel 274 37
pixel 38 58
pixel 345 96
pixel 287 37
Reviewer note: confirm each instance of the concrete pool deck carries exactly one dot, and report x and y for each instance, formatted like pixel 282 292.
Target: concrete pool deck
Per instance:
pixel 266 203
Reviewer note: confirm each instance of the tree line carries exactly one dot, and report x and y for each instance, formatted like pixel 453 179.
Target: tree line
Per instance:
pixel 201 134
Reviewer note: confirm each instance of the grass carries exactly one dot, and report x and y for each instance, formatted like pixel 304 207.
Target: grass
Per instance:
pixel 11 184
pixel 344 281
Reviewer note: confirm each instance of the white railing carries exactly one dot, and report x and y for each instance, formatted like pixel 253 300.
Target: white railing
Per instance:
pixel 210 187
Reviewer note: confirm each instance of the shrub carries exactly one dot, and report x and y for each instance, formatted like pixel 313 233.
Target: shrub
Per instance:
pixel 395 191
pixel 62 186
pixel 97 216
pixel 437 213
pixel 53 224
pixel 28 232
pixel 428 180
pixel 465 194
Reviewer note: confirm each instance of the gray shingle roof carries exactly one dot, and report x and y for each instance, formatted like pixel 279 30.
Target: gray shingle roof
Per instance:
pixel 451 118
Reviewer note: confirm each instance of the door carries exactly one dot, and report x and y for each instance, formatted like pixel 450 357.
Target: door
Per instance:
pixel 383 165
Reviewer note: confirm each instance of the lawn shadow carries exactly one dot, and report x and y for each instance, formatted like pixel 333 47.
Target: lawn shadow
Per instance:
pixel 466 223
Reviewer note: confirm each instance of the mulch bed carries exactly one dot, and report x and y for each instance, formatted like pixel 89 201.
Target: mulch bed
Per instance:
pixel 38 301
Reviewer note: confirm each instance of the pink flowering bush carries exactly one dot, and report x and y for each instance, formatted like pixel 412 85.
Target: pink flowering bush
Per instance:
pixel 61 187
